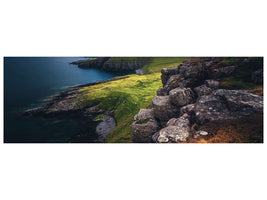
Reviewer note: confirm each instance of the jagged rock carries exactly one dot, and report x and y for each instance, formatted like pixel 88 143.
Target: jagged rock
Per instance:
pixel 257 76
pixel 167 72
pixel 211 107
pixel 181 96
pixel 187 109
pixel 173 134
pixel 227 104
pixel 144 126
pixel 163 110
pixel 182 121
pixel 161 92
pixel 241 101
pixel 173 82
pixel 212 84
pixel 202 90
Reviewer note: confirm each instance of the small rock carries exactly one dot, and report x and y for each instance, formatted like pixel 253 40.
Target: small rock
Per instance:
pixel 173 134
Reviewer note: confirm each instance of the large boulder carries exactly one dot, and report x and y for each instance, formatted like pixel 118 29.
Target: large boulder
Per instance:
pixel 227 104
pixel 183 121
pixel 181 96
pixel 173 82
pixel 241 101
pixel 167 72
pixel 144 126
pixel 163 109
pixel 211 107
pixel 173 134
pixel 202 90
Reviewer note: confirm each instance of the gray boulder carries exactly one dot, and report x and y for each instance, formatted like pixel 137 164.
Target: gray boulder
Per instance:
pixel 144 126
pixel 182 122
pixel 181 96
pixel 167 72
pixel 173 82
pixel 163 109
pixel 202 90
pixel 173 134
pixel 187 109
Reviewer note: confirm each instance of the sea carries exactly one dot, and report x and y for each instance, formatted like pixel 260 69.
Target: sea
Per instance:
pixel 28 81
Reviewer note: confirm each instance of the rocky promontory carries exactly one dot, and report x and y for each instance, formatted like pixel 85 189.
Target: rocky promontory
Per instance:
pixel 115 64
pixel 193 94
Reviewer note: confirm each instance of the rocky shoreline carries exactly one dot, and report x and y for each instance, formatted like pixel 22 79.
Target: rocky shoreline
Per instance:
pixel 192 95
pixel 65 105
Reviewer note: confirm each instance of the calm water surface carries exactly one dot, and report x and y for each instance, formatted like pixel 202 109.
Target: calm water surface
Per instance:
pixel 30 80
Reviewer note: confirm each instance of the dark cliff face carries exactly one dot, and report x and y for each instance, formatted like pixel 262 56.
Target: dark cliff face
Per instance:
pixel 116 65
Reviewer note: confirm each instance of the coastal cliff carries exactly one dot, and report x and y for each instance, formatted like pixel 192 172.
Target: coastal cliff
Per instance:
pixel 200 91
pixel 115 64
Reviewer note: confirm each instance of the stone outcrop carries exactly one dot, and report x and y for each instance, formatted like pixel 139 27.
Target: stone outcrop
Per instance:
pixel 144 126
pixel 191 96
pixel 163 110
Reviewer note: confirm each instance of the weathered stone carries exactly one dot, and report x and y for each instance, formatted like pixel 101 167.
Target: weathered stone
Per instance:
pixel 167 72
pixel 227 104
pixel 202 90
pixel 173 82
pixel 241 101
pixel 197 134
pixel 163 110
pixel 144 126
pixel 161 92
pixel 182 121
pixel 257 76
pixel 187 109
pixel 211 107
pixel 181 96
pixel 212 84
pixel 173 134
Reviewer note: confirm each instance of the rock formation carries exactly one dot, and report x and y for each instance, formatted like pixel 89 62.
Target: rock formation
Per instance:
pixel 191 96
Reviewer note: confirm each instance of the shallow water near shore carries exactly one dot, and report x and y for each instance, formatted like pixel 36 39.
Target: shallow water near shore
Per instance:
pixel 30 80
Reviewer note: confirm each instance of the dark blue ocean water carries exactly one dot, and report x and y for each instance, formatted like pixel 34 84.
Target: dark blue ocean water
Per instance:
pixel 30 80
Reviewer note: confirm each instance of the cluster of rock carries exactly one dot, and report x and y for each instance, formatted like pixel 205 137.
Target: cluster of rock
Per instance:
pixel 191 96
pixel 109 64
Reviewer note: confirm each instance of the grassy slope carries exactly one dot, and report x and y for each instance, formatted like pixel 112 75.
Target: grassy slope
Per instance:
pixel 125 97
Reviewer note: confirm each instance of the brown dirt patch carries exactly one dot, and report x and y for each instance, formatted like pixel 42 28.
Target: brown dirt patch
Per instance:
pixel 245 130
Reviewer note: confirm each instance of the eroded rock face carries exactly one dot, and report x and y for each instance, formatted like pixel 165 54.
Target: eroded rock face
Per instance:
pixel 163 110
pixel 173 134
pixel 181 96
pixel 220 72
pixel 144 126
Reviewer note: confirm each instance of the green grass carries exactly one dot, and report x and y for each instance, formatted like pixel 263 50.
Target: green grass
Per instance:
pixel 157 63
pixel 127 96
pixel 126 59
